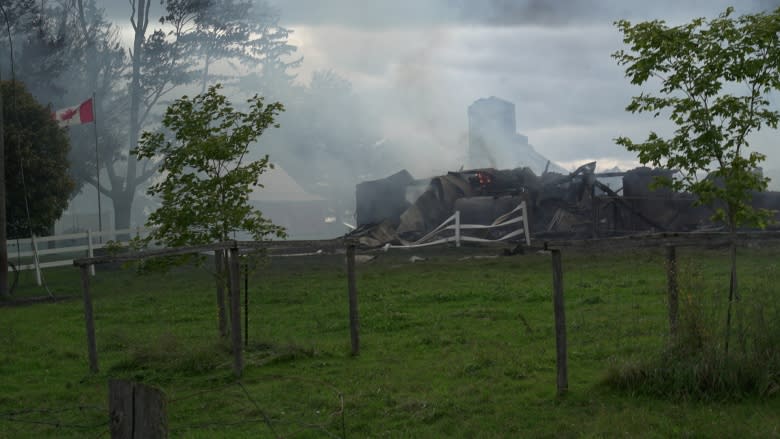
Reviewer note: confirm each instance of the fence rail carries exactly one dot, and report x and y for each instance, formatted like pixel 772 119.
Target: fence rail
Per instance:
pixel 65 248
pixel 458 228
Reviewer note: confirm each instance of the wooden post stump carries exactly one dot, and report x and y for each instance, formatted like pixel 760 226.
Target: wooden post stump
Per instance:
pixel 136 411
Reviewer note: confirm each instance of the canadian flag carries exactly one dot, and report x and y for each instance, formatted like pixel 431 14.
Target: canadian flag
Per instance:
pixel 75 115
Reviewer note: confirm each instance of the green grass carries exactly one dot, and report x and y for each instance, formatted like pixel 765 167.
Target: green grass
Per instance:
pixel 699 363
pixel 450 348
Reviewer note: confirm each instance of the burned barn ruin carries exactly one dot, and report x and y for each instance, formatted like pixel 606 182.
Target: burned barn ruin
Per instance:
pixel 554 203
pixel 581 204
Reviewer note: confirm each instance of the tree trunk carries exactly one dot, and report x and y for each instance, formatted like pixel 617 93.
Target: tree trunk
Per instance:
pixel 4 293
pixel 220 264
pixel 123 205
pixel 733 293
pixel 91 58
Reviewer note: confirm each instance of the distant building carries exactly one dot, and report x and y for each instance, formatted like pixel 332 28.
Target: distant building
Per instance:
pixel 494 141
pixel 302 214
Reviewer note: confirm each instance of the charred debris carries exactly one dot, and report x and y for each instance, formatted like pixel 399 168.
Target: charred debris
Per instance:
pixel 582 204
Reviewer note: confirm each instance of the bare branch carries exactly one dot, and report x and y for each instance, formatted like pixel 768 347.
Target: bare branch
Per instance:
pixel 132 15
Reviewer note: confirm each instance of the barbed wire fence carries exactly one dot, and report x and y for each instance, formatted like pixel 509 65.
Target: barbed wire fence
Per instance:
pixel 89 421
pixel 241 409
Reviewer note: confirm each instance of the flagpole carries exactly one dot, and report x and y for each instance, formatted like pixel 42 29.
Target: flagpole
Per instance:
pixel 4 293
pixel 97 166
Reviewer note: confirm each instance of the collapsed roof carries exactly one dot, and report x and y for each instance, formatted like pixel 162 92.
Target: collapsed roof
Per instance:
pixel 400 209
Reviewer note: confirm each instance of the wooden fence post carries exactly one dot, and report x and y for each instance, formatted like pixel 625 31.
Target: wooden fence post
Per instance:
pixel 136 411
pixel 354 319
pixel 90 251
pixel 671 280
pixel 526 226
pixel 235 312
pixel 89 319
pixel 246 304
pixel 457 228
pixel 594 212
pixel 36 261
pixel 219 263
pixel 560 323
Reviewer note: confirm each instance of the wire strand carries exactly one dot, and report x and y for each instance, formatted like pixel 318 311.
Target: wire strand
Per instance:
pixel 262 412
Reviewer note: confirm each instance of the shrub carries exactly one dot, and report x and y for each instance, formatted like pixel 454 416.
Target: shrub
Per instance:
pixel 694 365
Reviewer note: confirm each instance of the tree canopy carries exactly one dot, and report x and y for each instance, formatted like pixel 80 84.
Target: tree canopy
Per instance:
pixel 36 164
pixel 205 174
pixel 713 77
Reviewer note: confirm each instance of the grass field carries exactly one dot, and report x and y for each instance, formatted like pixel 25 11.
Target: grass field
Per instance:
pixel 451 347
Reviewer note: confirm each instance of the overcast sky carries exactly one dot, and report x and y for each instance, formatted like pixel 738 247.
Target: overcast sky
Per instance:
pixel 418 64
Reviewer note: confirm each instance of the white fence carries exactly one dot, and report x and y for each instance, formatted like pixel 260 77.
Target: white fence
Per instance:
pixel 65 248
pixel 520 214
pixel 26 253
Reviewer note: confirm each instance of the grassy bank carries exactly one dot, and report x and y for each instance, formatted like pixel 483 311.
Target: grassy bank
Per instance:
pixel 451 347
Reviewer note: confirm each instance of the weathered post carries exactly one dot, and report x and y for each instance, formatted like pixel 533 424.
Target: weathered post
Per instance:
pixel 36 261
pixel 90 251
pixel 89 320
pixel 354 319
pixel 671 281
pixel 526 227
pixel 136 411
pixel 457 228
pixel 594 211
pixel 4 293
pixel 235 312
pixel 246 304
pixel 560 323
pixel 219 263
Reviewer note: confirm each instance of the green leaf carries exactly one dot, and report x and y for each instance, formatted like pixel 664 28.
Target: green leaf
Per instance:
pixel 206 177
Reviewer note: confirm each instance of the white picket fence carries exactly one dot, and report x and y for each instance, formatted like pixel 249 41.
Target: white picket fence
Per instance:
pixel 70 246
pixel 520 214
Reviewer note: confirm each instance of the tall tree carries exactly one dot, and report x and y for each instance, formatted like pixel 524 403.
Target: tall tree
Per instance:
pixel 157 65
pixel 98 70
pixel 237 32
pixel 714 77
pixel 195 34
pixel 38 185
